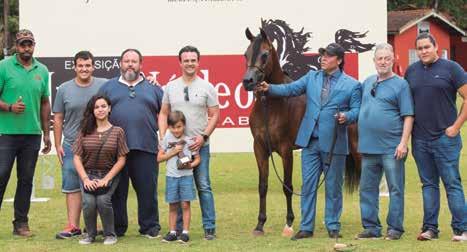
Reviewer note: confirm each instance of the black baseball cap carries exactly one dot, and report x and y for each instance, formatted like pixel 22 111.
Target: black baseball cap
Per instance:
pixel 333 49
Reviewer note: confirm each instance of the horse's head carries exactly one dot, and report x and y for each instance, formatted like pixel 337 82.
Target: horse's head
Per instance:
pixel 258 58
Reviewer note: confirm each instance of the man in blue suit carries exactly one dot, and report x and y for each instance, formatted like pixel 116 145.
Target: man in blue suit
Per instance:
pixel 331 95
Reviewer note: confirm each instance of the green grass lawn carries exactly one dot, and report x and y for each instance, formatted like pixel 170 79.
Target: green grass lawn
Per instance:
pixel 234 179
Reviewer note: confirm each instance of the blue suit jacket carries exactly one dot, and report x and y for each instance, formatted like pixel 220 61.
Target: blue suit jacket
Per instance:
pixel 346 94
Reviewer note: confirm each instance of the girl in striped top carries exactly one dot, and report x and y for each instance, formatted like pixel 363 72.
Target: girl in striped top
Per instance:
pixel 99 155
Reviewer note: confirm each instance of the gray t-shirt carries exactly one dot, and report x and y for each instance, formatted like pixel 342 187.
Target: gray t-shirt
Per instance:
pixel 171 165
pixel 71 100
pixel 201 95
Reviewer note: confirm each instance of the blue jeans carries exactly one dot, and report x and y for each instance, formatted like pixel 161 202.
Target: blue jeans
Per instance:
pixel 25 148
pixel 373 166
pixel 178 189
pixel 440 159
pixel 70 178
pixel 312 167
pixel 206 197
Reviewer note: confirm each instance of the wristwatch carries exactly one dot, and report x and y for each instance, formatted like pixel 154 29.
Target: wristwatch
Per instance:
pixel 9 108
pixel 205 137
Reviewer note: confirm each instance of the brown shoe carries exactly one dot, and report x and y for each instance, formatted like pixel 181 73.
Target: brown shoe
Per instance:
pixel 22 231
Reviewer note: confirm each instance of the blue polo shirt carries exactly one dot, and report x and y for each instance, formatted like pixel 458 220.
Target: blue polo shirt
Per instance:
pixel 136 114
pixel 434 89
pixel 380 122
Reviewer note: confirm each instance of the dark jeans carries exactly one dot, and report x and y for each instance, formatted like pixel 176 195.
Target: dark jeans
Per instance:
pixel 25 148
pixel 143 169
pixel 440 159
pixel 92 204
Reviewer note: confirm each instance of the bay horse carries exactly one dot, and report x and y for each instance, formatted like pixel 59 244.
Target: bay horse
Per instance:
pixel 283 121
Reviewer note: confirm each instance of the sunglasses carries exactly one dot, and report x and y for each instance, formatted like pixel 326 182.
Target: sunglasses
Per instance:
pixel 132 92
pixel 373 90
pixel 185 91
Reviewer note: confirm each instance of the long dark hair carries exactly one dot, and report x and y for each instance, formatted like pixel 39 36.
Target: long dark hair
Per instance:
pixel 88 123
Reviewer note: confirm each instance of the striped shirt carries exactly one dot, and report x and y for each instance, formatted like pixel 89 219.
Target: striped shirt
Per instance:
pixel 88 146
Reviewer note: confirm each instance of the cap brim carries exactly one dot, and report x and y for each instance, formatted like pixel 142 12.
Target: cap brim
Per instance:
pixel 21 40
pixel 322 51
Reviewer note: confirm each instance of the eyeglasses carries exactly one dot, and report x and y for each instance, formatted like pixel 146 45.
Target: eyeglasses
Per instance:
pixel 132 92
pixel 373 90
pixel 185 91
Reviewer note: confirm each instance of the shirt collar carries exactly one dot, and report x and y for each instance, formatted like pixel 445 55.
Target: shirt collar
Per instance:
pixel 16 62
pixel 335 75
pixel 140 79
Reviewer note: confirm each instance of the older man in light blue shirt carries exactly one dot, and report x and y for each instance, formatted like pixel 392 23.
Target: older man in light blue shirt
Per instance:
pixel 384 126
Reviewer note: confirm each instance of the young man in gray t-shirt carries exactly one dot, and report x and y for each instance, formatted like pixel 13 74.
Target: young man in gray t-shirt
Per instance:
pixel 69 105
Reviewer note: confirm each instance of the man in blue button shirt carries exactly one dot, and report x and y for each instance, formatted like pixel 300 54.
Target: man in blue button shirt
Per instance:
pixel 436 142
pixel 135 107
pixel 327 91
pixel 384 126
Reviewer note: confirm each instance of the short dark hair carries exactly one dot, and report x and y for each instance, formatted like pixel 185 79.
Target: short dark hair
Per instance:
pixel 85 55
pixel 175 117
pixel 132 50
pixel 425 35
pixel 188 48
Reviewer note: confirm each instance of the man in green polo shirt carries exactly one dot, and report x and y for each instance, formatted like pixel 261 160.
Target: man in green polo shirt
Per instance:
pixel 24 113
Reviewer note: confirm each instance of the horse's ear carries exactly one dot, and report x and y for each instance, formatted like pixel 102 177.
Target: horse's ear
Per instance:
pixel 264 36
pixel 248 34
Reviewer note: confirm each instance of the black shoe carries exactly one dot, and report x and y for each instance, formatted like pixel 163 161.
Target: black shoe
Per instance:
pixel 334 234
pixel 210 234
pixel 302 234
pixel 152 234
pixel 183 238
pixel 393 235
pixel 169 237
pixel 367 234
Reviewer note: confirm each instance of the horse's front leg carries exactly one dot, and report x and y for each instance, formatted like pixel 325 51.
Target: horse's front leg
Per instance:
pixel 263 169
pixel 287 163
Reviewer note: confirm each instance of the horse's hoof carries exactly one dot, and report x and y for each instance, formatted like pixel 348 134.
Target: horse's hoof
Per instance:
pixel 287 231
pixel 257 233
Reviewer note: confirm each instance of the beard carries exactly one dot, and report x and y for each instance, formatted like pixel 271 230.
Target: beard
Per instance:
pixel 130 75
pixel 25 56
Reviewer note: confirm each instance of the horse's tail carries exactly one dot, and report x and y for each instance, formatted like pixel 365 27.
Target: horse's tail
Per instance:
pixel 353 161
pixel 352 172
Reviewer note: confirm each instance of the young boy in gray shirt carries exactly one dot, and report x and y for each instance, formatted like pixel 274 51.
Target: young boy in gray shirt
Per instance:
pixel 179 177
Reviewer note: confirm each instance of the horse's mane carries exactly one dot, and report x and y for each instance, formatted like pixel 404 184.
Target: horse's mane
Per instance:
pixel 291 46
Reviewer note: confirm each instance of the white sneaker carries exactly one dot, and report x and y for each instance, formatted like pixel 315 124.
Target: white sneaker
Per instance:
pixel 86 240
pixel 460 238
pixel 110 240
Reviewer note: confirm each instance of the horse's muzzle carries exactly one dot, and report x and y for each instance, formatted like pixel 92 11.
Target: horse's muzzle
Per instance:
pixel 248 84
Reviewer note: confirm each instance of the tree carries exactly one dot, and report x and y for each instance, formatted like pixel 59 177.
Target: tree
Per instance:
pixel 13 23
pixel 455 8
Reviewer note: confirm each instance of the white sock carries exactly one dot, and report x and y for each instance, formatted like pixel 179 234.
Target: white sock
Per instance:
pixel 185 231
pixel 173 232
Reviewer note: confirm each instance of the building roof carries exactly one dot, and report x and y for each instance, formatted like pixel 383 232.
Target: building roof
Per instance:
pixel 400 21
